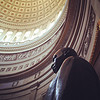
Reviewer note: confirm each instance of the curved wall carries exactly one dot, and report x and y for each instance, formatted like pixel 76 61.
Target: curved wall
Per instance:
pixel 78 31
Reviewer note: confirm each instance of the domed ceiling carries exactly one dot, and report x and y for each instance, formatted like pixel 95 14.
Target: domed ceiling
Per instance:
pixel 21 20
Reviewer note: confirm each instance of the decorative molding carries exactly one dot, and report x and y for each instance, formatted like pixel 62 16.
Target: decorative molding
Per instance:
pixel 89 32
pixel 25 60
pixel 30 80
pixel 96 47
pixel 28 54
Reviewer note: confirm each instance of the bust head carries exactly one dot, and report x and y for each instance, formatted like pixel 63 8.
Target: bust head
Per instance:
pixel 60 56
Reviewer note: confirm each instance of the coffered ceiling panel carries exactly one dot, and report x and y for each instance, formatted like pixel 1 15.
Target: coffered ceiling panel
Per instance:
pixel 28 14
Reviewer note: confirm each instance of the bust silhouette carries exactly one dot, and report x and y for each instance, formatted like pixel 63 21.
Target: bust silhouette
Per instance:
pixel 60 56
pixel 75 80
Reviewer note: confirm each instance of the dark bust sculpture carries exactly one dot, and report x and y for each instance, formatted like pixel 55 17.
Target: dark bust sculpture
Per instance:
pixel 75 80
pixel 60 56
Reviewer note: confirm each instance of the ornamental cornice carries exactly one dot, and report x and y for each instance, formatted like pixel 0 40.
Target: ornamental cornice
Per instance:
pixel 14 63
pixel 88 34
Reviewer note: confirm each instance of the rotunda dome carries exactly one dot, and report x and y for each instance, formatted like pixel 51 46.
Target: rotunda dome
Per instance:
pixel 22 20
